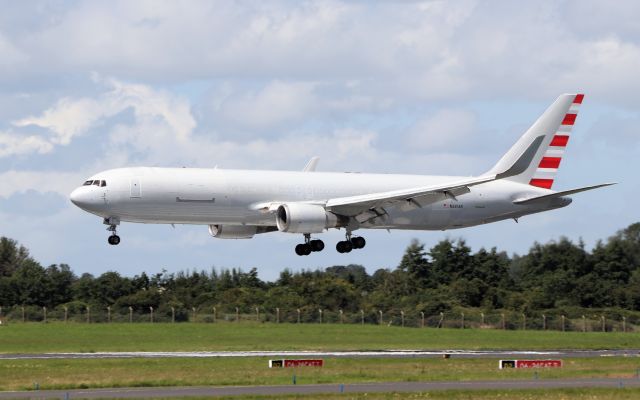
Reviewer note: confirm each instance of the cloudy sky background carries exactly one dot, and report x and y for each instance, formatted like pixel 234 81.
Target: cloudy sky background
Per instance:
pixel 435 87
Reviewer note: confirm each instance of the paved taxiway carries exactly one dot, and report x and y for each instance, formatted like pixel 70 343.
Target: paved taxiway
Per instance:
pixel 326 388
pixel 336 354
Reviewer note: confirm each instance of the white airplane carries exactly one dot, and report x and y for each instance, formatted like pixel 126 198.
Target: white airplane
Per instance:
pixel 238 204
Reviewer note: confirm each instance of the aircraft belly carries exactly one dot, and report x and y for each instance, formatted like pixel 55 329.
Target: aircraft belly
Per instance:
pixel 188 213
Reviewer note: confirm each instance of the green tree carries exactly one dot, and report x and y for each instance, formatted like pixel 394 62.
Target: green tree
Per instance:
pixel 31 285
pixel 11 256
pixel 60 279
pixel 416 265
pixel 549 273
pixel 109 287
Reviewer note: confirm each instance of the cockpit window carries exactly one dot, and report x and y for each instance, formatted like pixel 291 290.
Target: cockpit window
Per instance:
pixel 96 182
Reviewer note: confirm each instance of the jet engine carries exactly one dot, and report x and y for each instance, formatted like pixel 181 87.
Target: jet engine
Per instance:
pixel 305 218
pixel 232 231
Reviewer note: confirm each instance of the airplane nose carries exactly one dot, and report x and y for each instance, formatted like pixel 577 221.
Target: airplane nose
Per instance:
pixel 81 198
pixel 75 196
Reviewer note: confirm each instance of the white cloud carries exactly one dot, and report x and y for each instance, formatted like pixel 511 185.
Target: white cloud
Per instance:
pixel 446 129
pixel 427 50
pixel 12 144
pixel 277 103
pixel 13 181
pixel 606 68
pixel 71 117
pixel 10 55
pixel 68 118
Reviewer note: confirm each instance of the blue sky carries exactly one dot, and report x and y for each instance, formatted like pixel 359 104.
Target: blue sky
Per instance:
pixel 434 87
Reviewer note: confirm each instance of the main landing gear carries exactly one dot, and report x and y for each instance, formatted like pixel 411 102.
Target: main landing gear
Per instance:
pixel 114 239
pixel 304 249
pixel 352 243
pixel 345 246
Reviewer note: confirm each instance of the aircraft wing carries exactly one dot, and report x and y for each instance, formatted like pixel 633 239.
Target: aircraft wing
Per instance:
pixel 371 205
pixel 368 206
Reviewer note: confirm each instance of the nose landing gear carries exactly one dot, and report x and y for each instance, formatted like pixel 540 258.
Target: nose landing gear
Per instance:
pixel 113 223
pixel 113 239
pixel 304 249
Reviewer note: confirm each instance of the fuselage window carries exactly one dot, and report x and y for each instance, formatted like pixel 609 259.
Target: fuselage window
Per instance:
pixel 96 183
pixel 87 183
pixel 103 183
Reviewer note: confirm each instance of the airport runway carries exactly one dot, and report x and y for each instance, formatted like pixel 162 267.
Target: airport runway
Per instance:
pixel 325 388
pixel 335 354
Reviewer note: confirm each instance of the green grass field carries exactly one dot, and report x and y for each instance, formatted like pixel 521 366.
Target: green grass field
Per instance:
pixel 555 394
pixel 73 337
pixel 93 373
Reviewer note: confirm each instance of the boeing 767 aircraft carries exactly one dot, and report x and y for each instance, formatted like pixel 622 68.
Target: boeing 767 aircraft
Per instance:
pixel 238 204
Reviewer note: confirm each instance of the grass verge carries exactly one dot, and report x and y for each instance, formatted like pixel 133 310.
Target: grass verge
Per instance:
pixel 73 337
pixel 96 373
pixel 552 394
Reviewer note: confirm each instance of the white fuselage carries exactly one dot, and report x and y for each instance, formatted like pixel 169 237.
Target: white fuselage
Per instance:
pixel 232 197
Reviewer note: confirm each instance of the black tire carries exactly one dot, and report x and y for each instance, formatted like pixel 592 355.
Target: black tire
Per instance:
pixel 300 250
pixel 358 242
pixel 115 239
pixel 340 247
pixel 347 246
pixel 306 249
pixel 317 245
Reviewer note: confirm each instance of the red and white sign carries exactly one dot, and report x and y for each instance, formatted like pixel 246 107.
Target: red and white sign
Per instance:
pixel 295 363
pixel 530 364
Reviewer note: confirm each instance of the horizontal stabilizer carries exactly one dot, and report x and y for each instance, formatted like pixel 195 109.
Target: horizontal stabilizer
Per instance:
pixel 545 197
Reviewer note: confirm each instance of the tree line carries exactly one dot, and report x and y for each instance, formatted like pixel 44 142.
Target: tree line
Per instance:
pixel 559 275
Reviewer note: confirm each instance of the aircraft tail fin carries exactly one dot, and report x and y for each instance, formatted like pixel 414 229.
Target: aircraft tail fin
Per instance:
pixel 546 139
pixel 311 165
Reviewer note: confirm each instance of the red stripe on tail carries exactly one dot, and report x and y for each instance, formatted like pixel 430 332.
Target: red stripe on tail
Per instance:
pixel 559 141
pixel 569 119
pixel 549 162
pixel 542 183
pixel 578 99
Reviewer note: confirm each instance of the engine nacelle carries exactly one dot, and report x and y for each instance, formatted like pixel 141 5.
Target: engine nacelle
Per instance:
pixel 305 218
pixel 232 231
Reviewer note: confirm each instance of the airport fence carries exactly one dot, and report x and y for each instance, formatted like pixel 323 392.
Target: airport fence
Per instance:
pixel 581 320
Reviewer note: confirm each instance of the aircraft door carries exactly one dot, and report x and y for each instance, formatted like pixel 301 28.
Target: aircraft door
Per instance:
pixel 135 188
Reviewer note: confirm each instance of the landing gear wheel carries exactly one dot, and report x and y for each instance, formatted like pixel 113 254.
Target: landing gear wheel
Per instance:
pixel 114 239
pixel 316 245
pixel 303 249
pixel 348 247
pixel 344 246
pixel 358 242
